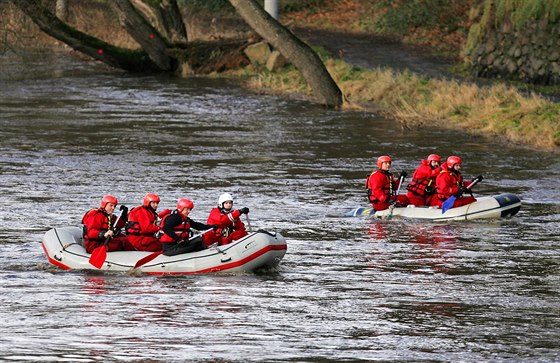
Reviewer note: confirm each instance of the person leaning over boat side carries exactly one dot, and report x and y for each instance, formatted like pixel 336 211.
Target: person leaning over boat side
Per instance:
pixel 230 226
pixel 176 228
pixel 450 182
pixel 142 226
pixel 423 185
pixel 382 186
pixel 99 226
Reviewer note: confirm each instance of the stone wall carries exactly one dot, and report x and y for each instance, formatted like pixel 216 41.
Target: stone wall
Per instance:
pixel 530 53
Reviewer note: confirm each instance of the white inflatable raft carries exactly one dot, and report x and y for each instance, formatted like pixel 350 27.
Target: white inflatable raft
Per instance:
pixel 260 249
pixel 499 206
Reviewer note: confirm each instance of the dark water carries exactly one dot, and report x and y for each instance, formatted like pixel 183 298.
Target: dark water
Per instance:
pixel 348 289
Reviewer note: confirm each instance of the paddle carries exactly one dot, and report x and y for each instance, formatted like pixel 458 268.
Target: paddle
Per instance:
pixel 99 254
pixel 144 260
pixel 448 204
pixel 249 222
pixel 392 206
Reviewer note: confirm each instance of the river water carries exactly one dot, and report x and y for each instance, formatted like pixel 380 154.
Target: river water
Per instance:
pixel 348 289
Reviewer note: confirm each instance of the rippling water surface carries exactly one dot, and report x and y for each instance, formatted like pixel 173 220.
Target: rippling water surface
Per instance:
pixel 348 289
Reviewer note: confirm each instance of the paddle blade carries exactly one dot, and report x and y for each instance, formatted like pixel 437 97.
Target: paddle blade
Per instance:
pixel 448 204
pixel 145 260
pixel 98 256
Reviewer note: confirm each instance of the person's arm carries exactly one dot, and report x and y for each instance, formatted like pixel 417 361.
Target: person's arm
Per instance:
pixel 94 230
pixel 146 223
pixel 219 219
pixel 199 226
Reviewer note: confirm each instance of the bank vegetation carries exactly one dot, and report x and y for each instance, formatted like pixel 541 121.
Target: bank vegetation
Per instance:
pixel 498 111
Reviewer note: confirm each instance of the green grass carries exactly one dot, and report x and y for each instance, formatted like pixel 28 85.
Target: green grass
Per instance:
pixel 496 111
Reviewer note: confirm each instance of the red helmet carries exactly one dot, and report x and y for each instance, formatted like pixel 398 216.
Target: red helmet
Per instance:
pixel 434 157
pixel 453 160
pixel 150 198
pixel 381 159
pixel 184 203
pixel 108 199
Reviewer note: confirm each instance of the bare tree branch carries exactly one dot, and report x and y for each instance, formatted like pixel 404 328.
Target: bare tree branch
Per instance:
pixel 149 38
pixel 96 48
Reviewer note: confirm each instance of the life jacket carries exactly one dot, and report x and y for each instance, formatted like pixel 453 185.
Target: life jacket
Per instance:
pixel 388 188
pixel 423 181
pixel 183 230
pixel 133 226
pixel 88 218
pixel 422 187
pixel 458 180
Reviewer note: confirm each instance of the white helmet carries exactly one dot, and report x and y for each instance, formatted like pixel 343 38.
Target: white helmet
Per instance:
pixel 224 198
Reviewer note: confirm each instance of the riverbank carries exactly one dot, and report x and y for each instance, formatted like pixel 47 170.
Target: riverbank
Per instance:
pixel 415 99
pixel 496 111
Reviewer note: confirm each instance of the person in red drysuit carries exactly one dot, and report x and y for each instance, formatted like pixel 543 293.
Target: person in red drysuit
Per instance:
pixel 382 186
pixel 450 182
pixel 230 226
pixel 99 227
pixel 142 227
pixel 176 227
pixel 423 185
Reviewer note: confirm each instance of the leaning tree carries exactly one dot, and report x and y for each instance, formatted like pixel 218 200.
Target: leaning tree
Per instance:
pixel 159 29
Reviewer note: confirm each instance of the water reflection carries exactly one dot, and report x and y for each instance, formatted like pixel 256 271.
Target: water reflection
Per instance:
pixel 424 248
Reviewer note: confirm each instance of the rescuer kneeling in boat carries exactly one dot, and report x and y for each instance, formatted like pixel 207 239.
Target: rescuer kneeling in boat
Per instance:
pixel 382 186
pixel 450 182
pixel 176 227
pixel 142 226
pixel 100 228
pixel 230 227
pixel 423 185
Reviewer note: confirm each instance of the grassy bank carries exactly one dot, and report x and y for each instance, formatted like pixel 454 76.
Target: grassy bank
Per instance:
pixel 498 112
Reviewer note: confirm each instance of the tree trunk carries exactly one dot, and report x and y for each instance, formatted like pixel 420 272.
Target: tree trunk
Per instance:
pixel 166 17
pixel 291 47
pixel 117 57
pixel 144 34
pixel 172 22
pixel 62 9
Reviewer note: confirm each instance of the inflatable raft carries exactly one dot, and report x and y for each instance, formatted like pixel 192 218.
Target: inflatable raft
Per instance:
pixel 499 206
pixel 261 249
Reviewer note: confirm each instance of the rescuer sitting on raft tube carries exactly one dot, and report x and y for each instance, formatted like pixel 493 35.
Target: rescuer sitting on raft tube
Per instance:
pixel 382 186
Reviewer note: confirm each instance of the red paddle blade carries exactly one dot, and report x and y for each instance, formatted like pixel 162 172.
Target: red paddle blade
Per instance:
pixel 98 256
pixel 145 260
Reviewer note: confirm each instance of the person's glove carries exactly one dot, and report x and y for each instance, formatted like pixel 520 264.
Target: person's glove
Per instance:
pixel 429 190
pixel 403 174
pixel 158 234
pixel 215 227
pixel 124 213
pixel 244 210
pixel 463 190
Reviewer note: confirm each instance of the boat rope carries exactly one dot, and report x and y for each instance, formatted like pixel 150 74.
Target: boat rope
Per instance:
pixel 64 247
